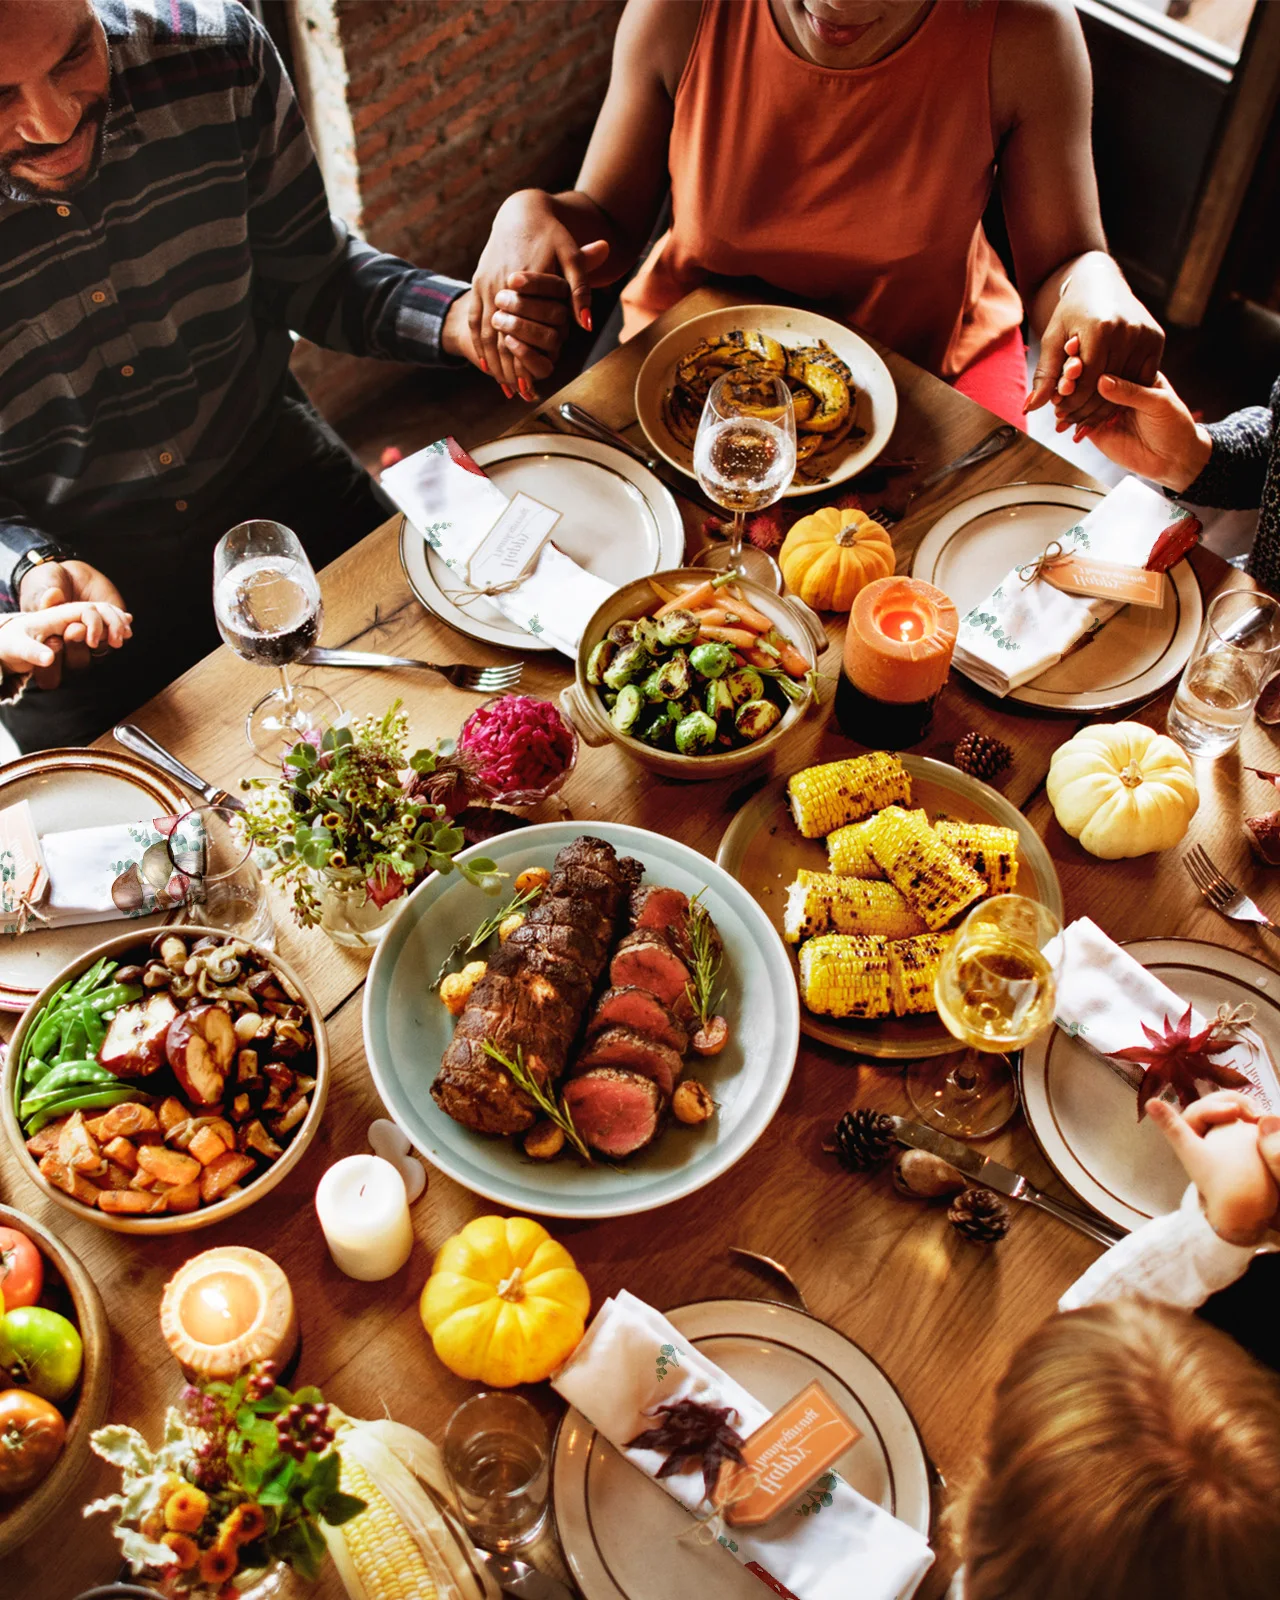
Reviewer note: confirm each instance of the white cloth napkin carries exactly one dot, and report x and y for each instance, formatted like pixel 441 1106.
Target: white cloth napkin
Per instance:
pixel 1022 629
pixel 101 874
pixel 632 1359
pixel 453 504
pixel 1104 997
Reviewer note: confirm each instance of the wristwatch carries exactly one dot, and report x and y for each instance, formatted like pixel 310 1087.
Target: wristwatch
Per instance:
pixel 36 556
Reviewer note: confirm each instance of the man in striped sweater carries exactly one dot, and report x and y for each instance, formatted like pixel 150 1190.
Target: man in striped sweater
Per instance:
pixel 163 228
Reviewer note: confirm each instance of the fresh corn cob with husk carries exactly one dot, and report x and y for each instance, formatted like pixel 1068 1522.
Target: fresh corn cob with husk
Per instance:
pixel 820 902
pixel 846 975
pixel 991 851
pixel 849 849
pixel 913 966
pixel 934 879
pixel 824 798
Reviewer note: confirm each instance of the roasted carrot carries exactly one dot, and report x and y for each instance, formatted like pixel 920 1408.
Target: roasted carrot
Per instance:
pixel 727 616
pixel 667 596
pixel 753 618
pixel 740 638
pixel 700 595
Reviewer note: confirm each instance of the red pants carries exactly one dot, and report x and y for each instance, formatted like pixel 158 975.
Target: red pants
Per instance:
pixel 998 378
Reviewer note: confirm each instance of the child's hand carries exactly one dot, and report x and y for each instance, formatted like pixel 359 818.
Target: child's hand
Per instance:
pixel 30 640
pixel 1216 1141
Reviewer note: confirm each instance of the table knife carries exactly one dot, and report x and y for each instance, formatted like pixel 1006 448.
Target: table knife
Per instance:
pixel 519 1578
pixel 142 744
pixel 982 1169
pixel 582 421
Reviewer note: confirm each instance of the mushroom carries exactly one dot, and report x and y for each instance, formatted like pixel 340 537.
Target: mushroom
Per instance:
pixel 182 987
pixel 248 1025
pixel 172 951
pixel 265 987
pixel 290 1038
pixel 155 975
pixel 292 1115
pixel 222 965
pixel 290 988
pixel 131 974
pixel 253 1136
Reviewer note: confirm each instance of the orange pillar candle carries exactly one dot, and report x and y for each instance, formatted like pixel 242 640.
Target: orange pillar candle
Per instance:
pixel 897 654
pixel 227 1308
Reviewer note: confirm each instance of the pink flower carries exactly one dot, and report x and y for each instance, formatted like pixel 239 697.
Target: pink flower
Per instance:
pixel 384 886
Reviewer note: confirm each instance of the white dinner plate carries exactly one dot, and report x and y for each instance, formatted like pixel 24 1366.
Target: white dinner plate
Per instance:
pixel 1085 1117
pixel 620 1531
pixel 75 789
pixel 875 405
pixel 969 550
pixel 616 520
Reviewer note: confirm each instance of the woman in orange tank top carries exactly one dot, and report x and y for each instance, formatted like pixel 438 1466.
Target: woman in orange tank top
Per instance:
pixel 841 153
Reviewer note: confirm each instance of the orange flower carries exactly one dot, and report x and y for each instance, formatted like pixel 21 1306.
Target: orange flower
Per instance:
pixel 184 1547
pixel 217 1564
pixel 248 1521
pixel 186 1508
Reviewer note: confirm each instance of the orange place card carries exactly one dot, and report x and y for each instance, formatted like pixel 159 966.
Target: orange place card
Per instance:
pixel 784 1456
pixel 1106 580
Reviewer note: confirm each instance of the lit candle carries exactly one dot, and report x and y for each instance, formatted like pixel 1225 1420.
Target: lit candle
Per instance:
pixel 897 654
pixel 364 1212
pixel 226 1308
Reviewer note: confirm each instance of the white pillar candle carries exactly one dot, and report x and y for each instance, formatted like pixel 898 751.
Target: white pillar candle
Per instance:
pixel 364 1213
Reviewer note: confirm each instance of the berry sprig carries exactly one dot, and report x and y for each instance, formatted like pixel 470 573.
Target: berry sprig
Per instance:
pixel 304 1430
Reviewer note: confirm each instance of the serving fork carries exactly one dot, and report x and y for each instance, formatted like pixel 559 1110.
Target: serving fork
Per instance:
pixel 1221 893
pixel 482 680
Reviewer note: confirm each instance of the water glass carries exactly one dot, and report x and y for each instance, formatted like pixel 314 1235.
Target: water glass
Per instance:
pixel 496 1455
pixel 1238 650
pixel 227 891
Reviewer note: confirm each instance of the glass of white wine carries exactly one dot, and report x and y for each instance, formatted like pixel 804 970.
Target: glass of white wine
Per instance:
pixel 745 457
pixel 995 990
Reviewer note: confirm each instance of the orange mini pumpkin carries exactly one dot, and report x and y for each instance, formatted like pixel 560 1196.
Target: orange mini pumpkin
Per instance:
pixel 831 554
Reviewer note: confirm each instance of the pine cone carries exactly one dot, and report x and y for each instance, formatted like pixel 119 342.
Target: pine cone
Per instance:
pixel 979 1215
pixel 981 756
pixel 862 1140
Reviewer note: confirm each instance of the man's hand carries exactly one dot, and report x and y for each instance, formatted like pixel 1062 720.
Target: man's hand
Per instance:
pixel 56 583
pixel 1217 1142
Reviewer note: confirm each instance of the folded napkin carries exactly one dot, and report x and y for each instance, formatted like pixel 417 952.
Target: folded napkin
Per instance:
pixel 453 504
pixel 632 1359
pixel 1023 628
pixel 1104 997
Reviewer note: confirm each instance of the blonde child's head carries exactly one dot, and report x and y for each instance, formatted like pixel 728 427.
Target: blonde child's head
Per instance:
pixel 1134 1455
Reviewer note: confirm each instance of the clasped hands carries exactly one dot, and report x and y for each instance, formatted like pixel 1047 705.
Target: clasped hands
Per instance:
pixel 1230 1149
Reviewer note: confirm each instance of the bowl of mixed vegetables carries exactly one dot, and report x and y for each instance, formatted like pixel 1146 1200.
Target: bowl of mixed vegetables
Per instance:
pixel 695 673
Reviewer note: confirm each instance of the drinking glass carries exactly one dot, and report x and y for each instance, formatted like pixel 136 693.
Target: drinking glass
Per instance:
pixel 210 849
pixel 744 458
pixel 1238 650
pixel 995 991
pixel 267 602
pixel 495 1452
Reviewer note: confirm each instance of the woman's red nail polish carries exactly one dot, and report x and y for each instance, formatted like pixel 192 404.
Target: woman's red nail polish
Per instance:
pixel 484 366
pixel 510 393
pixel 586 318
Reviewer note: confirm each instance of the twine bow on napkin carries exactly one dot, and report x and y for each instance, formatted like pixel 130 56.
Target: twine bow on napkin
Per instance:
pixel 1053 555
pixel 1233 1022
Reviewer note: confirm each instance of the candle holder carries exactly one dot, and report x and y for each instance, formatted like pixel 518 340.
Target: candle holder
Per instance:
pixel 897 656
pixel 225 1309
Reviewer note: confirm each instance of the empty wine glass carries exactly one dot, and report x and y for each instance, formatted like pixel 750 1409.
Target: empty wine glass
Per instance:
pixel 744 458
pixel 267 601
pixel 210 848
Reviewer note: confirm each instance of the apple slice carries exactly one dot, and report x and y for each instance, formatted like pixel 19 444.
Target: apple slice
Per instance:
pixel 135 1043
pixel 201 1045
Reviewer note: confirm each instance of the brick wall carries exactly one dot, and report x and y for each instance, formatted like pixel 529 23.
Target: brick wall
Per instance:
pixel 428 113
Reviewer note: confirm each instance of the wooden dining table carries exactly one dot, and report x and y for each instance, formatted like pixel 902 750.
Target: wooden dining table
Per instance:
pixel 939 1314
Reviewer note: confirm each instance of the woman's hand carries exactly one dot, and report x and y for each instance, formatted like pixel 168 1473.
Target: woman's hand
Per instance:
pixel 1151 433
pixel 1217 1142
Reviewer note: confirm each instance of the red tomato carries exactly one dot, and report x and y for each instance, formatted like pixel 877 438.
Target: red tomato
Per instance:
pixel 21 1269
pixel 31 1435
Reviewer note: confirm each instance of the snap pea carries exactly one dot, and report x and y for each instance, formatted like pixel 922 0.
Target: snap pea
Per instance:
pixel 119 994
pixel 94 1027
pixel 35 1070
pixel 98 973
pixel 91 1100
pixel 62 1077
pixel 46 1032
pixel 74 1040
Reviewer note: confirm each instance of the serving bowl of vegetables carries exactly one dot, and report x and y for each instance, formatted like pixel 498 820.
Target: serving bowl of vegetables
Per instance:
pixel 695 673
pixel 160 1084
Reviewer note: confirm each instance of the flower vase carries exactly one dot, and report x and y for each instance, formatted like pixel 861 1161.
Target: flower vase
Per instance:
pixel 348 914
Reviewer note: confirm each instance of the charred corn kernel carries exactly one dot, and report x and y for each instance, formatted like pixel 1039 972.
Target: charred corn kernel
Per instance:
pixel 186 1508
pixel 846 975
pixel 991 851
pixel 184 1547
pixel 934 879
pixel 849 849
pixel 218 1563
pixel 532 878
pixel 820 902
pixel 826 797
pixel 913 965
pixel 384 1554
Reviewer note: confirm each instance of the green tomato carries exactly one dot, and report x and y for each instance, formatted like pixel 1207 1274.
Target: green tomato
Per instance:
pixel 40 1351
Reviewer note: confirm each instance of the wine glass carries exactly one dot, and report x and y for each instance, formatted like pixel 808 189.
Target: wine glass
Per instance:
pixel 267 602
pixel 744 457
pixel 211 849
pixel 995 990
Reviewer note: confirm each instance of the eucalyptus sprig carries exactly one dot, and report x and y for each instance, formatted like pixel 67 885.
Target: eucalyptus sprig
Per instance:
pixel 554 1110
pixel 705 953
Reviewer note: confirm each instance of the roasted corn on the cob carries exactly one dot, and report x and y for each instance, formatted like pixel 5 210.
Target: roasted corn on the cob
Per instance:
pixel 934 880
pixel 846 975
pixel 825 797
pixel 849 850
pixel 820 902
pixel 991 851
pixel 913 965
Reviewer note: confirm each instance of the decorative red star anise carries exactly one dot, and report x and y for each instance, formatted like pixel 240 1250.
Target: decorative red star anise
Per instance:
pixel 1176 1057
pixel 693 1434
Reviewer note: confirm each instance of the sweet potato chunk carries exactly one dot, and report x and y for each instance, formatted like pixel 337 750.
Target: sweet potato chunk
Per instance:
pixel 68 1179
pixel 171 1113
pixel 115 1177
pixel 143 1180
pixel 218 1177
pixel 78 1148
pixel 129 1202
pixel 124 1122
pixel 168 1166
pixel 40 1144
pixel 186 1197
pixel 206 1146
pixel 121 1152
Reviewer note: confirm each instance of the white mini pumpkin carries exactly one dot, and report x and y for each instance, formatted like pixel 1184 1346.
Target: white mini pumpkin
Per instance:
pixel 1122 790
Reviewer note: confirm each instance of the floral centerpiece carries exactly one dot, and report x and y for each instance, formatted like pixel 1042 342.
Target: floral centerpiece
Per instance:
pixel 243 1479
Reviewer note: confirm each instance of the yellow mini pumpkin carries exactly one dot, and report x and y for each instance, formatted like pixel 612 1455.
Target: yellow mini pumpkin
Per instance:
pixel 831 554
pixel 504 1303
pixel 1122 789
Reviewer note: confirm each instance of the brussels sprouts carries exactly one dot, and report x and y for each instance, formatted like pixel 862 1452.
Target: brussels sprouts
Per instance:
pixel 621 633
pixel 711 660
pixel 655 726
pixel 610 699
pixel 694 733
pixel 627 665
pixel 674 679
pixel 651 687
pixel 598 660
pixel 649 634
pixel 718 701
pixel 745 684
pixel 627 708
pixel 754 718
pixel 677 628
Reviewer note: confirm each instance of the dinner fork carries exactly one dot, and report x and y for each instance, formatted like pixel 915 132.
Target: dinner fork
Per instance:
pixel 483 680
pixel 1221 893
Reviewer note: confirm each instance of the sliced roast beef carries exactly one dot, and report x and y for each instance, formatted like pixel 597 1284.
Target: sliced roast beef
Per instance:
pixel 646 960
pixel 616 1112
pixel 623 1047
pixel 659 909
pixel 630 1007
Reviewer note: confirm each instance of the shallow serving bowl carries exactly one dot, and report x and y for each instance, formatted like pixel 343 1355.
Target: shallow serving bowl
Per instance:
pixel 220 1210
pixel 581 702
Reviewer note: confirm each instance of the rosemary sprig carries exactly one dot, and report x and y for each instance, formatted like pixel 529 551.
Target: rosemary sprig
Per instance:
pixel 703 943
pixel 555 1110
pixel 472 941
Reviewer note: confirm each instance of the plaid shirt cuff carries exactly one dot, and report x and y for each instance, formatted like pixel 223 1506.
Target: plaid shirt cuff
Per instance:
pixel 424 302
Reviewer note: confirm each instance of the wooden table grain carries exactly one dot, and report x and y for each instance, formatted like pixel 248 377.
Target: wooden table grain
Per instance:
pixel 940 1316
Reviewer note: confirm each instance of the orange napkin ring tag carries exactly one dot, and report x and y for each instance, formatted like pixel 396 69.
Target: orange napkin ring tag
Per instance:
pixel 784 1457
pixel 1105 580
pixel 1178 539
